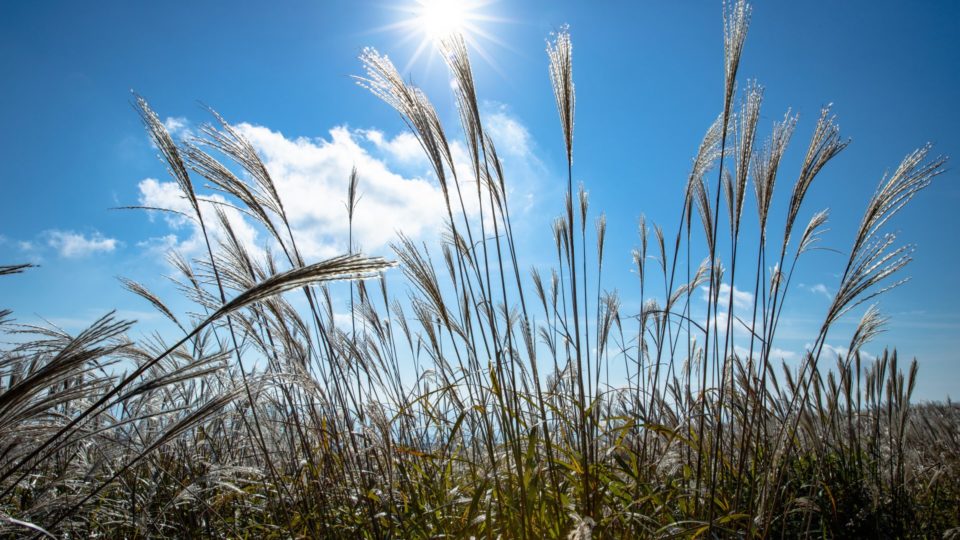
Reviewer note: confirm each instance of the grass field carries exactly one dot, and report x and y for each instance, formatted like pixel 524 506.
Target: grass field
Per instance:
pixel 470 396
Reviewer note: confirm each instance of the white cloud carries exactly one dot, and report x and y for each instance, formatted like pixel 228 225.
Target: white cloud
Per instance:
pixel 831 352
pixel 397 187
pixel 820 288
pixel 73 245
pixel 528 179
pixel 510 136
pixel 782 354
pixel 403 149
pixel 775 353
pixel 343 321
pixel 177 126
pixel 167 195
pixel 27 251
pixel 741 326
pixel 159 245
pixel 741 299
pixel 311 176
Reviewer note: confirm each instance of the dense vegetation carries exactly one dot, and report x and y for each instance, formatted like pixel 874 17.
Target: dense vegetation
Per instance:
pixel 264 421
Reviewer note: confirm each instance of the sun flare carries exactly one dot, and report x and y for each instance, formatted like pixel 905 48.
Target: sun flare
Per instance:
pixel 439 19
pixel 429 22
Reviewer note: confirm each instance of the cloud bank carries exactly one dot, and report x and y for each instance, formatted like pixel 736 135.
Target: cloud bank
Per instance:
pixel 397 189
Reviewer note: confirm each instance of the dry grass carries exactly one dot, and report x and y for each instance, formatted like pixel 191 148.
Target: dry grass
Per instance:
pixel 262 421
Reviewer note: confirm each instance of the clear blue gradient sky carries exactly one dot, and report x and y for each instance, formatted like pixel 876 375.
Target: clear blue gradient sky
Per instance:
pixel 649 82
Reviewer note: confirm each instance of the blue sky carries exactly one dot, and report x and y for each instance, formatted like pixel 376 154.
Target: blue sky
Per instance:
pixel 649 82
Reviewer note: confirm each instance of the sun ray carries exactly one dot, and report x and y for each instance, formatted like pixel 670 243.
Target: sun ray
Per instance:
pixel 428 22
pixel 421 47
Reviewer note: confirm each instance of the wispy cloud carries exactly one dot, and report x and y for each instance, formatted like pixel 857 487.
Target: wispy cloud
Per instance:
pixel 820 289
pixel 72 245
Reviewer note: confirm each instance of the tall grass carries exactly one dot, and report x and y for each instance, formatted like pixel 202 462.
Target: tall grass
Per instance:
pixel 262 420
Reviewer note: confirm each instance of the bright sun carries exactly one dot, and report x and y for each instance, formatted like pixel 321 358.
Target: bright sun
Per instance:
pixel 432 21
pixel 440 19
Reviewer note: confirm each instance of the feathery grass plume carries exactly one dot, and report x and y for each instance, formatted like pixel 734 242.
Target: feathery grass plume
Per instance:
pixel 560 52
pixel 342 268
pixel 895 191
pixel 871 324
pixel 661 245
pixel 746 135
pixel 237 268
pixel 640 255
pixel 703 162
pixel 560 237
pixel 609 314
pixel 766 163
pixel 384 81
pixel 736 21
pixel 227 140
pixel 141 291
pixel 168 148
pixel 419 270
pixel 776 279
pixel 824 145
pixel 254 202
pixel 497 183
pixel 871 258
pixel 701 198
pixel 730 195
pixel 353 196
pixel 601 226
pixel 454 51
pixel 584 204
pixel 813 231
